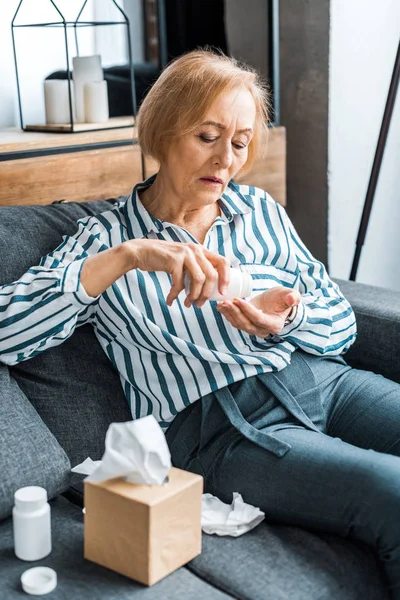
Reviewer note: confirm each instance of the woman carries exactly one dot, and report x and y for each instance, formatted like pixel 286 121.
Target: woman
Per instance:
pixel 252 394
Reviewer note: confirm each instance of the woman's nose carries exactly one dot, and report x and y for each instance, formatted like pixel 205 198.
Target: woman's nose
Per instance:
pixel 224 156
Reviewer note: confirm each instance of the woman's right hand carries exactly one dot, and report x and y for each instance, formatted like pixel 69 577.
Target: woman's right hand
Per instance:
pixel 203 267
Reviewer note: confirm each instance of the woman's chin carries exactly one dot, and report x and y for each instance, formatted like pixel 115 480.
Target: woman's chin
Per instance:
pixel 211 190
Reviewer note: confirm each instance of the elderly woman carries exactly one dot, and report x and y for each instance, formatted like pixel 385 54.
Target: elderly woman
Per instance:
pixel 252 393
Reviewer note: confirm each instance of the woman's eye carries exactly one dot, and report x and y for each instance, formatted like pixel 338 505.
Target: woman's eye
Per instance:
pixel 209 140
pixel 239 146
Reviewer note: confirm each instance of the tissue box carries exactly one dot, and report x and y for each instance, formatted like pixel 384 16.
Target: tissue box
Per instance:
pixel 144 531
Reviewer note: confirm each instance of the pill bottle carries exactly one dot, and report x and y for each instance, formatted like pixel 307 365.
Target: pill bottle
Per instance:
pixel 31 523
pixel 240 286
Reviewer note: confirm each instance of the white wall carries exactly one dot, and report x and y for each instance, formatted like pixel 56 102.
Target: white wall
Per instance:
pixel 111 42
pixel 134 12
pixel 8 94
pixel 364 37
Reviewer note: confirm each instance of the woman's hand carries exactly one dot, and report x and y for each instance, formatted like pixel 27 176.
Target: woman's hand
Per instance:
pixel 204 268
pixel 264 314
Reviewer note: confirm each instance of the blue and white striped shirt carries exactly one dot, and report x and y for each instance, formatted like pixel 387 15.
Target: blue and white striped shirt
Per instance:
pixel 168 357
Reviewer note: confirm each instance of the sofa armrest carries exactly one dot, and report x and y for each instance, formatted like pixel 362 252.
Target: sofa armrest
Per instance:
pixel 377 310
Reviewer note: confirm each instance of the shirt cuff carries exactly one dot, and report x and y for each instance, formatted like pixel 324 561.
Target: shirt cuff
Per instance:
pixel 299 318
pixel 71 284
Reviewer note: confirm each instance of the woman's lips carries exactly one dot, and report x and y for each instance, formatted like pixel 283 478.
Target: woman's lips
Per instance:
pixel 211 182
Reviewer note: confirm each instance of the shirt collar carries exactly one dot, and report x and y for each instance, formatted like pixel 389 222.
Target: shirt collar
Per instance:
pixel 234 202
pixel 140 222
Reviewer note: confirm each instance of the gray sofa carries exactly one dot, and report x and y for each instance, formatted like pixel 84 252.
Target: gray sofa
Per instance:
pixel 55 410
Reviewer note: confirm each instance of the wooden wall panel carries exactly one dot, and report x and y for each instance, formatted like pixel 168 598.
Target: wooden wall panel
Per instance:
pixel 75 176
pixel 269 173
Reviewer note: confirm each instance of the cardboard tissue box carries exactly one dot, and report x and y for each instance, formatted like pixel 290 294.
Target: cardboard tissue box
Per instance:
pixel 143 531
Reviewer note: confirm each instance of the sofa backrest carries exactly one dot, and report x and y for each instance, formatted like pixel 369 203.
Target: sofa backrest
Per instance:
pixel 73 387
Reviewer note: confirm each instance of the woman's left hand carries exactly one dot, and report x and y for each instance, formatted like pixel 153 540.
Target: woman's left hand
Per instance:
pixel 264 314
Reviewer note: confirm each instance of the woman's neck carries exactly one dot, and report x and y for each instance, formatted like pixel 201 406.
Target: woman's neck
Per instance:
pixel 163 204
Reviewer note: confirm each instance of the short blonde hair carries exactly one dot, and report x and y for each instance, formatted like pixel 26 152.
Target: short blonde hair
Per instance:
pixel 187 87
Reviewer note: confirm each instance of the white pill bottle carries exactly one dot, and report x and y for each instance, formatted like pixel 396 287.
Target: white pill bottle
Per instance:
pixel 240 286
pixel 31 523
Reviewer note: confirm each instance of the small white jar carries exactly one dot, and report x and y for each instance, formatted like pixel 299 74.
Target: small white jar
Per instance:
pixel 31 523
pixel 240 286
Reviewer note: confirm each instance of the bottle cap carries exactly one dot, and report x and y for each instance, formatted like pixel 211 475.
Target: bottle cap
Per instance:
pixel 247 285
pixel 30 498
pixel 39 580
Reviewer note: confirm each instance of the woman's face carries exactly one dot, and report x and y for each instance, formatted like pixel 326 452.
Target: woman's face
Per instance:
pixel 199 165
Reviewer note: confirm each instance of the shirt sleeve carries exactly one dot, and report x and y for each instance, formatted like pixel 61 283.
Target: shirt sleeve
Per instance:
pixel 44 306
pixel 325 323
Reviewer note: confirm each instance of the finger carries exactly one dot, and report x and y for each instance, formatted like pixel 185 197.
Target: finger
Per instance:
pixel 237 318
pixel 292 298
pixel 178 284
pixel 278 300
pixel 186 263
pixel 223 267
pixel 263 324
pixel 211 279
pixel 249 327
pixel 257 316
pixel 226 313
pixel 201 274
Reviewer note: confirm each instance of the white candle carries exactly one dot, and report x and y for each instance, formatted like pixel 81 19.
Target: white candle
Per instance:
pixel 56 101
pixel 85 70
pixel 96 102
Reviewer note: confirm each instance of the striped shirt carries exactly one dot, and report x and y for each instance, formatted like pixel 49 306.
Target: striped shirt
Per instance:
pixel 168 357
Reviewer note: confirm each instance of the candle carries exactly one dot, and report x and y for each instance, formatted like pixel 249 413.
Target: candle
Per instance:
pixel 56 101
pixel 85 70
pixel 96 102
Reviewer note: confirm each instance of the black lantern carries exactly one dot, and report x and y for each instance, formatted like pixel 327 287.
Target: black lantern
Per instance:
pixel 66 39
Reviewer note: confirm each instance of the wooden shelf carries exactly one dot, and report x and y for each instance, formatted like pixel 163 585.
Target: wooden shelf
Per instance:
pixel 112 123
pixel 16 140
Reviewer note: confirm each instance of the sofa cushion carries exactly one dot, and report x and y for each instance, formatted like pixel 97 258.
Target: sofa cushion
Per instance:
pixel 30 454
pixel 83 580
pixel 74 386
pixel 281 562
pixel 77 392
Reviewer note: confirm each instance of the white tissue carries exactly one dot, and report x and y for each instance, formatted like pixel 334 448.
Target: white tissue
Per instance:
pixel 87 467
pixel 136 450
pixel 224 519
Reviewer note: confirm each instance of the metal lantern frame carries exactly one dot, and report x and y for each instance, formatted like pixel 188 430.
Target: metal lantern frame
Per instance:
pixel 76 24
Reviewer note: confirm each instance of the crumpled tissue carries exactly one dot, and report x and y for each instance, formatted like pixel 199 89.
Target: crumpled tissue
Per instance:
pixel 87 467
pixel 224 519
pixel 136 450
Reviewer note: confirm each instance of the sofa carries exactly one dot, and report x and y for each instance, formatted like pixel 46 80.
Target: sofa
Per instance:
pixel 56 408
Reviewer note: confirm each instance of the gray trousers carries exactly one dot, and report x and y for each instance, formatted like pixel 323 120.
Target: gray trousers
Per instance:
pixel 319 447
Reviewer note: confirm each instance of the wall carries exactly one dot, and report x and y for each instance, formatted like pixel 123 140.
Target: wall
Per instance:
pixel 304 63
pixel 134 12
pixel 110 41
pixel 8 99
pixel 246 26
pixel 364 36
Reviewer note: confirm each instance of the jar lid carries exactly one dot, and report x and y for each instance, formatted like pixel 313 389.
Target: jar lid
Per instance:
pixel 39 581
pixel 30 497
